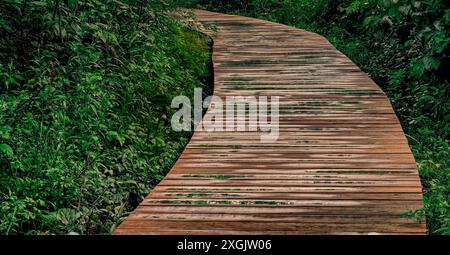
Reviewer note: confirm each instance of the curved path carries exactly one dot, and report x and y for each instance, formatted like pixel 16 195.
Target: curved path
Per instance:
pixel 341 164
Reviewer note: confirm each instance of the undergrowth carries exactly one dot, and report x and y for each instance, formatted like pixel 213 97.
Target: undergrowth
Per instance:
pixel 85 92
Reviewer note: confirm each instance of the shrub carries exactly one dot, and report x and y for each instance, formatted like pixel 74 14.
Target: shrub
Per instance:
pixel 85 109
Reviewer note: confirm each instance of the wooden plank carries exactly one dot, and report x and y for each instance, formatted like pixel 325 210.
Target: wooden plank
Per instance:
pixel 341 163
pixel 209 227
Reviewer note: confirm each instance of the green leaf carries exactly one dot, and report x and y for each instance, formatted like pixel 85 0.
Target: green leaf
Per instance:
pixel 371 21
pixel 113 135
pixel 447 118
pixel 4 132
pixel 431 63
pixel 72 3
pixel 6 149
pixel 405 9
pixel 39 3
pixel 417 68
pixel 446 16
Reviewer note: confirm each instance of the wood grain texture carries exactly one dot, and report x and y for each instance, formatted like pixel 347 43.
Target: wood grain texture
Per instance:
pixel 341 165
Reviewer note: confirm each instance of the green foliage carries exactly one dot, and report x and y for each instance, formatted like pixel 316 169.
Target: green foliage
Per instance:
pixel 85 91
pixel 404 46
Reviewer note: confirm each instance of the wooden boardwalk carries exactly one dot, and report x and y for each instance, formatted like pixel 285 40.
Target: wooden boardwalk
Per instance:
pixel 341 164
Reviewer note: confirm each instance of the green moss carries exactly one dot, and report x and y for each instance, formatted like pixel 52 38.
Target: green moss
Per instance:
pixel 196 202
pixel 216 176
pixel 264 202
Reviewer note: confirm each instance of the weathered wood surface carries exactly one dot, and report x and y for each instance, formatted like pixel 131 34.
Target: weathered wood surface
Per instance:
pixel 341 165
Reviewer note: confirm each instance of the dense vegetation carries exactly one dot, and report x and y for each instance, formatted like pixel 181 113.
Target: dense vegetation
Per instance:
pixel 85 91
pixel 404 46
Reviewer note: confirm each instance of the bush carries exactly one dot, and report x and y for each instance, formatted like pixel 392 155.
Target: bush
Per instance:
pixel 85 109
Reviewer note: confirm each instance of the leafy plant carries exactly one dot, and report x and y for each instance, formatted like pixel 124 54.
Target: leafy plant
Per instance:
pixel 85 90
